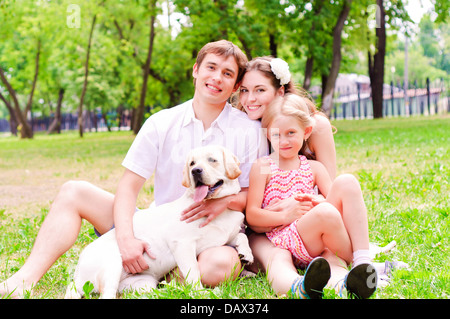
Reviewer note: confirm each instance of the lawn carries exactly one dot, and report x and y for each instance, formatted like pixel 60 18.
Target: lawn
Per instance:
pixel 402 165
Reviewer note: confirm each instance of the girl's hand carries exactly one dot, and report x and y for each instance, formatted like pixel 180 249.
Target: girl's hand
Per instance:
pixel 308 198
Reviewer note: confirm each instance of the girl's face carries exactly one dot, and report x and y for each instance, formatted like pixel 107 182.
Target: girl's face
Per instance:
pixel 257 92
pixel 286 136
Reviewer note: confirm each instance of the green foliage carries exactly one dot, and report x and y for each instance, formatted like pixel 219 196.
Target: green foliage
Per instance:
pixel 88 287
pixel 294 30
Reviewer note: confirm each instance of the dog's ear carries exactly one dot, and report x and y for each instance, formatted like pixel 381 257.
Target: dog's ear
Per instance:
pixel 231 163
pixel 186 181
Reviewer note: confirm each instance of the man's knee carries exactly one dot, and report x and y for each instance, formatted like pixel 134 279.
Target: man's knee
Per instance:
pixel 218 265
pixel 68 192
pixel 71 194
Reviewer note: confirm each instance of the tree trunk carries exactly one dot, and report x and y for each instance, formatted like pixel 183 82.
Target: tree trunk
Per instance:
pixel 328 91
pixel 145 71
pixel 317 8
pixel 308 72
pixel 172 90
pixel 55 127
pixel 273 47
pixel 33 86
pixel 376 63
pixel 12 115
pixel 26 130
pixel 86 73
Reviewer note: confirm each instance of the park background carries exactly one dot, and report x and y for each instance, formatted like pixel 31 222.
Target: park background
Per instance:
pixel 78 79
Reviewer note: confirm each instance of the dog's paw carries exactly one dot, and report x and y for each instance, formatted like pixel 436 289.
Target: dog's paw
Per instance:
pixel 246 257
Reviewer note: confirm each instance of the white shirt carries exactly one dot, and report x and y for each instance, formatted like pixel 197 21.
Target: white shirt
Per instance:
pixel 162 145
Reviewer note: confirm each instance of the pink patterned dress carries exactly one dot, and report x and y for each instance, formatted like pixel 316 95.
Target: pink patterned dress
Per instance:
pixel 285 184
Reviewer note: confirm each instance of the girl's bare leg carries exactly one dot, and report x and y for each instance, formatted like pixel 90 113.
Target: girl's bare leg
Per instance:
pixel 345 194
pixel 322 227
pixel 75 201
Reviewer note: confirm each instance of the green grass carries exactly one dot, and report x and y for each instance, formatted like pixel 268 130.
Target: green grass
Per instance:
pixel 402 165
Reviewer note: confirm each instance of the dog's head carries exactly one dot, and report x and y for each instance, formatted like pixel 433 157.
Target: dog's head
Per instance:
pixel 211 172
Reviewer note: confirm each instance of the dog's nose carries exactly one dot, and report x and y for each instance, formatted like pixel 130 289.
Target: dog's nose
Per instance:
pixel 197 171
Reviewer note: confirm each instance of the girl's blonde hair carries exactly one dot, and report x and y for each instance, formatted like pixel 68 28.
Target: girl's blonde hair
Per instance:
pixel 289 105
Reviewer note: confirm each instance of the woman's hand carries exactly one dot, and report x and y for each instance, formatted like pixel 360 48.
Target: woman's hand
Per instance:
pixel 293 207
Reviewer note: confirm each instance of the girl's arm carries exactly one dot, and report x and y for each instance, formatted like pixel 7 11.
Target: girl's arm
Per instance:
pixel 321 177
pixel 259 218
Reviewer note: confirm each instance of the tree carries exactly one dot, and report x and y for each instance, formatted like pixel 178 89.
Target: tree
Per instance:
pixel 12 115
pixel 329 80
pixel 30 27
pixel 86 73
pixel 376 63
pixel 55 126
pixel 26 130
pixel 28 35
pixel 397 16
pixel 146 69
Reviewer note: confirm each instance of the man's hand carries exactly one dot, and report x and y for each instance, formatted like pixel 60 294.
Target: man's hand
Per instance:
pixel 132 251
pixel 210 209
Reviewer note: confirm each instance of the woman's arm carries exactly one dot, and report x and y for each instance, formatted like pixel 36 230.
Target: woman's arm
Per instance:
pixel 321 143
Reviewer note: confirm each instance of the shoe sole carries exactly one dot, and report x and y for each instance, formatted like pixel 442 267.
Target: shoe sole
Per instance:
pixel 362 281
pixel 316 277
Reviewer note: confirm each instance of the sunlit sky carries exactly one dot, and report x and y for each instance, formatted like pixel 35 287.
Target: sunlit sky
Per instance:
pixel 416 8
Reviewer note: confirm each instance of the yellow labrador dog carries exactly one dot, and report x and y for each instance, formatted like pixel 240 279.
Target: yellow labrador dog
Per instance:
pixel 210 172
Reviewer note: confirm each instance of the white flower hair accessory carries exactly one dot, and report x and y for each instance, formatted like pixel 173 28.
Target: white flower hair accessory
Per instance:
pixel 280 68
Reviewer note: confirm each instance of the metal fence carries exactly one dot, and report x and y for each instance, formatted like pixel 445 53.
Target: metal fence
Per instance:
pixel 92 121
pixel 357 103
pixel 351 102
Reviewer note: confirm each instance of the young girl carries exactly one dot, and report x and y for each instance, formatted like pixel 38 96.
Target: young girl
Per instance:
pixel 266 78
pixel 285 174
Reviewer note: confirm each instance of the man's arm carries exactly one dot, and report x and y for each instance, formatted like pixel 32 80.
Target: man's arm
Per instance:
pixel 214 207
pixel 131 249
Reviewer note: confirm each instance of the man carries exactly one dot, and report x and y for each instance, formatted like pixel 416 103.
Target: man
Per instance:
pixel 160 148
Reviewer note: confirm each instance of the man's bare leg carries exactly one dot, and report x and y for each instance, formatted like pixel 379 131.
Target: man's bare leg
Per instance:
pixel 59 231
pixel 218 264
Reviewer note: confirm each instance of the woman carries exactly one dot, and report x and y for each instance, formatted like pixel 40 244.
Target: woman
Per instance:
pixel 265 79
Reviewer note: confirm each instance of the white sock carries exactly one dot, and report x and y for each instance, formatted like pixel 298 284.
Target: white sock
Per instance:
pixel 361 256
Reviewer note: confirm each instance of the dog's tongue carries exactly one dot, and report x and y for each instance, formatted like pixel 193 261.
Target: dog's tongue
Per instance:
pixel 200 193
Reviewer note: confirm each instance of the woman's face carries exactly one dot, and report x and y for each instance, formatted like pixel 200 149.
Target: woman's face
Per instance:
pixel 256 93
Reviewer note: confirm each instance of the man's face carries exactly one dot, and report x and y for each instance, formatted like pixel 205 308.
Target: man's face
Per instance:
pixel 215 78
